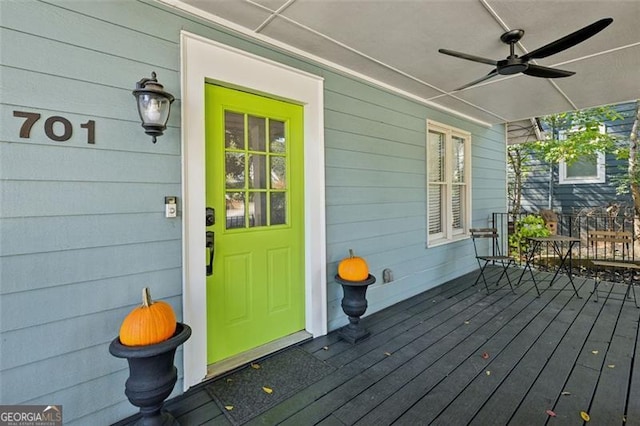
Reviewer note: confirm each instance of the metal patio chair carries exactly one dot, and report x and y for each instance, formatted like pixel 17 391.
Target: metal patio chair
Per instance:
pixel 494 257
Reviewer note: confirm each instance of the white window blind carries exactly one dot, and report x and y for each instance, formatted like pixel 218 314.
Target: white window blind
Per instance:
pixel 448 177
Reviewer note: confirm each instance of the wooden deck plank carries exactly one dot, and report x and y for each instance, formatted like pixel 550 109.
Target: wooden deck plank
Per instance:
pixel 329 383
pixel 582 381
pixel 219 420
pixel 609 402
pixel 354 367
pixel 436 363
pixel 208 412
pixel 423 363
pixel 307 396
pixel 433 313
pixel 399 315
pixel 517 401
pixel 182 405
pixel 421 336
pixel 331 421
pixel 461 395
pixel 189 402
pixel 633 399
pixel 385 315
pixel 516 366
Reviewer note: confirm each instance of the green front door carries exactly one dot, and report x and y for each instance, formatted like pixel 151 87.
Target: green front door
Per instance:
pixel 254 184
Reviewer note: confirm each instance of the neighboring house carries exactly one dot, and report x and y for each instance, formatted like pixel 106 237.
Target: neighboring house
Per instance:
pixel 83 224
pixel 568 189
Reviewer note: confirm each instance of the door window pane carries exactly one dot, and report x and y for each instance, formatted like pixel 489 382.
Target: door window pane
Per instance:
pixel 234 170
pixel 277 139
pixel 278 208
pixel 233 130
pixel 278 172
pixel 257 134
pixel 257 171
pixel 235 209
pixel 257 209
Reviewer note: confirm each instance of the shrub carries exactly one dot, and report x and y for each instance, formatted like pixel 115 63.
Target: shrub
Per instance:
pixel 526 227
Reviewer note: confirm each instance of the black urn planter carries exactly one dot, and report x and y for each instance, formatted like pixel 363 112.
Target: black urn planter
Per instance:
pixel 152 375
pixel 354 304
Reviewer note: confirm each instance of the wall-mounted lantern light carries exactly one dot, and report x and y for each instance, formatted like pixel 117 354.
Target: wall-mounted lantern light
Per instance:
pixel 154 105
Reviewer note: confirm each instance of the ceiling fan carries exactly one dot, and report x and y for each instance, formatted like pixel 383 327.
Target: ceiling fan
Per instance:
pixel 514 64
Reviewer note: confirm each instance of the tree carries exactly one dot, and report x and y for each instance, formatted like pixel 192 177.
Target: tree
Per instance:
pixel 582 135
pixel 518 169
pixel 631 182
pixel 570 137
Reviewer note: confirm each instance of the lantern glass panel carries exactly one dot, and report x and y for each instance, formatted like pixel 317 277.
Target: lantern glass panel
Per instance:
pixel 154 109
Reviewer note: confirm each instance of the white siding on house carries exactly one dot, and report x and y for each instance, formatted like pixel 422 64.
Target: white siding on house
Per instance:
pixel 82 227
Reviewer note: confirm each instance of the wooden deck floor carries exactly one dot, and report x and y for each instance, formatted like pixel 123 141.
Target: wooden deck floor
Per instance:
pixel 424 363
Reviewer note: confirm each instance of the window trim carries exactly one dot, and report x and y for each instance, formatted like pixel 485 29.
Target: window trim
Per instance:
pixel 601 168
pixel 449 234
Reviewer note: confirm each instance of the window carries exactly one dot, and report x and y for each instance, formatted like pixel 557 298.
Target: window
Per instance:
pixel 255 170
pixel 448 183
pixel 587 170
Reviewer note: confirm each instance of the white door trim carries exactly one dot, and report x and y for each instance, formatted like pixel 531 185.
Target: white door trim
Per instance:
pixel 205 60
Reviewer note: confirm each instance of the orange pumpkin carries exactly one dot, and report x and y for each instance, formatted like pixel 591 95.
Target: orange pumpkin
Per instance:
pixel 353 268
pixel 151 323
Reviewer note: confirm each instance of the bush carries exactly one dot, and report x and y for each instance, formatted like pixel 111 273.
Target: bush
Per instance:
pixel 529 226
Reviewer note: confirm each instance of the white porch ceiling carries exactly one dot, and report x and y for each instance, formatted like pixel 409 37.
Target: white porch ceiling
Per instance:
pixel 396 42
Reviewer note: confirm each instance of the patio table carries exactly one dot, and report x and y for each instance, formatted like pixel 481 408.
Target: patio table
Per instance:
pixel 562 246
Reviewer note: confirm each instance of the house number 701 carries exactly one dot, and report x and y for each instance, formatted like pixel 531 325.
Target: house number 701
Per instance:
pixel 67 128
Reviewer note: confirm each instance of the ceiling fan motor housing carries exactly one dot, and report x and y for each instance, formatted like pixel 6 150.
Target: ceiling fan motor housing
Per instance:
pixel 512 66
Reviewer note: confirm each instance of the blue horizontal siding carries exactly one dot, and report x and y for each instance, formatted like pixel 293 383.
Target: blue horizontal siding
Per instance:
pixel 28 272
pixel 82 228
pixel 570 198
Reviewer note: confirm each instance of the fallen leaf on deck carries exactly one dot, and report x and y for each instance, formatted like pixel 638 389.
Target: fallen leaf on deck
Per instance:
pixel 550 413
pixel 611 366
pixel 488 373
pixel 255 366
pixel 267 390
pixel 565 393
pixel 228 407
pixel 387 353
pixel 585 416
pixel 485 355
pixel 594 352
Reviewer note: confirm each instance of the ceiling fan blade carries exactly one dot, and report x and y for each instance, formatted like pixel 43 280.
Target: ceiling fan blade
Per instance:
pixel 546 72
pixel 493 73
pixel 568 40
pixel 468 57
